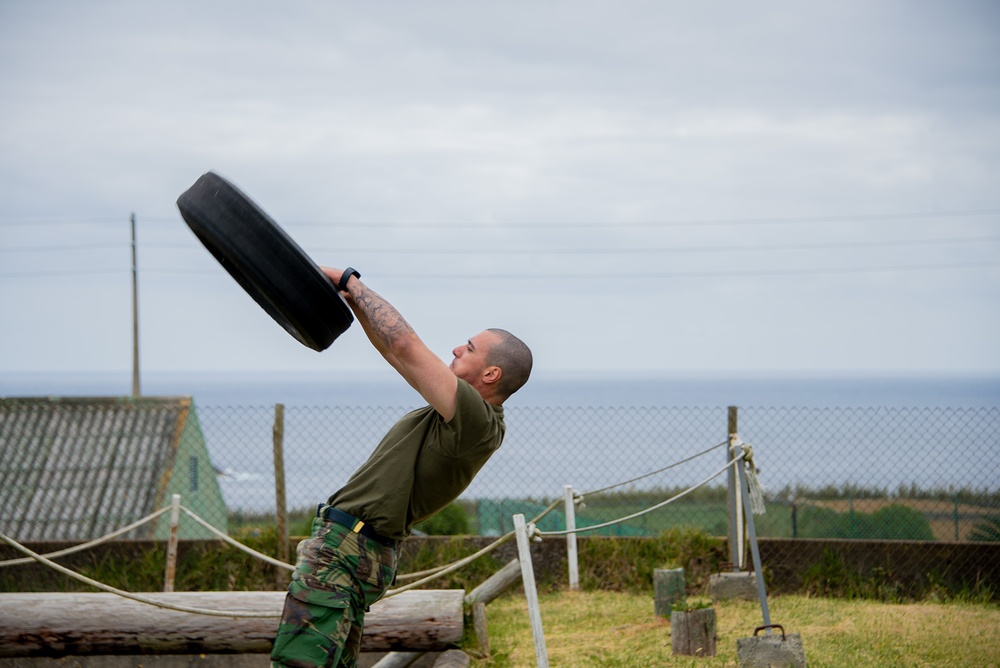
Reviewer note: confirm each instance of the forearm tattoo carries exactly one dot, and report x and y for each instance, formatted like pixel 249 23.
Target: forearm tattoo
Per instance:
pixel 384 319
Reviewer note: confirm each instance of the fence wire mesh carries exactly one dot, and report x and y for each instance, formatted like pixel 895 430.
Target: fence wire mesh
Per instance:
pixel 896 474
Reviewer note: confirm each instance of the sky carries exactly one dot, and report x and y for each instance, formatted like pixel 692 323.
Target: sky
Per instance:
pixel 663 187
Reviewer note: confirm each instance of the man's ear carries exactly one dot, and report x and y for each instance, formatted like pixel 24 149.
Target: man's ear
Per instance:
pixel 492 374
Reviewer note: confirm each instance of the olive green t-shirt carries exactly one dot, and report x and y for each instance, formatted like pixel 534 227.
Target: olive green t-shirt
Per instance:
pixel 422 464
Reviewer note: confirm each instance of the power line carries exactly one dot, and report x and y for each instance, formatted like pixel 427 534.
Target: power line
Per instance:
pixel 695 274
pixel 566 276
pixel 657 223
pixel 561 251
pixel 64 272
pixel 68 220
pixel 63 247
pixel 847 218
pixel 676 249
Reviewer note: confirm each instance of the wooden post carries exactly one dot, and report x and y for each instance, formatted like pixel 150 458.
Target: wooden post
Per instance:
pixel 281 509
pixel 479 624
pixel 135 316
pixel 571 555
pixel 668 588
pixel 693 633
pixel 175 516
pixel 731 494
pixel 734 501
pixel 528 577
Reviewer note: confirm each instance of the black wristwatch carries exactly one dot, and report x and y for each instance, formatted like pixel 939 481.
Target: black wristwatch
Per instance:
pixel 346 276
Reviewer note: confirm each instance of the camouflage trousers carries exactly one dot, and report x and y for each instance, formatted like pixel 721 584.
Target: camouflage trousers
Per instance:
pixel 339 574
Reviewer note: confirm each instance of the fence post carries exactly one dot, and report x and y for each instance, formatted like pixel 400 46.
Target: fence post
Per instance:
pixel 530 591
pixel 571 556
pixel 733 499
pixel 954 500
pixel 281 509
pixel 175 516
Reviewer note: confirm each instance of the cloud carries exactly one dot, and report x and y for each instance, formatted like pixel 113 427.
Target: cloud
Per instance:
pixel 620 162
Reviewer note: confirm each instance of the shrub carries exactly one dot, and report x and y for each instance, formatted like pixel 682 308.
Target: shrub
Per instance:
pixel 449 521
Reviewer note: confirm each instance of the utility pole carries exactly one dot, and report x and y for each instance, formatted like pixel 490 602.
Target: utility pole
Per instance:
pixel 135 317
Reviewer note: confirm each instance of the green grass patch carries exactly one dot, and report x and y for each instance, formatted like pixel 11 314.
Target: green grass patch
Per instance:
pixel 608 629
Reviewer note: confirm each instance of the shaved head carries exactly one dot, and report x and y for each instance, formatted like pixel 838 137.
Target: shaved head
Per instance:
pixel 514 359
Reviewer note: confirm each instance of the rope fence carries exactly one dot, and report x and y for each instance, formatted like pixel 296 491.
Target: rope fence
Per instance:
pixel 926 476
pixel 425 577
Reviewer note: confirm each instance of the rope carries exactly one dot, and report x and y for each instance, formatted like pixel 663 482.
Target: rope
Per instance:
pixel 425 576
pixel 135 597
pixel 715 475
pixel 652 473
pixel 84 546
pixel 434 573
pixel 453 567
pixel 237 544
pixel 754 488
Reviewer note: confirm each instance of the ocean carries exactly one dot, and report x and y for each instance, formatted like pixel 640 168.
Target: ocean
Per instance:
pixel 591 430
pixel 552 389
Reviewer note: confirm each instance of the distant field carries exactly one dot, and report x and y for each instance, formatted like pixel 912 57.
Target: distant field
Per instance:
pixel 936 516
pixel 940 514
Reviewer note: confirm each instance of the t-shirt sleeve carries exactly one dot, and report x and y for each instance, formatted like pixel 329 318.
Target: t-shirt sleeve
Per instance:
pixel 472 422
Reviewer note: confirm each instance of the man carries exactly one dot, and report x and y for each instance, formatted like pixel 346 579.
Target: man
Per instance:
pixel 422 464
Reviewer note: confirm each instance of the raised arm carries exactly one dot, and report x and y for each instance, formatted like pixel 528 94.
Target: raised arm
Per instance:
pixel 396 341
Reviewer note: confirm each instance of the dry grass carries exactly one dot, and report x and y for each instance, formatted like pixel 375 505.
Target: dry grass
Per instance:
pixel 614 629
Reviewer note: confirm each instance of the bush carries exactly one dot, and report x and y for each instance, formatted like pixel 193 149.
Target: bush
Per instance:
pixel 895 522
pixel 449 521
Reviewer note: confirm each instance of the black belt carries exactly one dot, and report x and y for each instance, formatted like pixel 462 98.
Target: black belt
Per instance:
pixel 354 524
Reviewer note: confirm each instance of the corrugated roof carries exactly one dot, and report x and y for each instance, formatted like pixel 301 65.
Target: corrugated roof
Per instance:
pixel 78 468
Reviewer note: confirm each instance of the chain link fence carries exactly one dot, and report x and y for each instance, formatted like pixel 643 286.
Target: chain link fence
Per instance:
pixel 930 475
pixel 867 473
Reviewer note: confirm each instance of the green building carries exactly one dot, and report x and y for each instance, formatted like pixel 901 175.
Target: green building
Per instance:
pixel 75 469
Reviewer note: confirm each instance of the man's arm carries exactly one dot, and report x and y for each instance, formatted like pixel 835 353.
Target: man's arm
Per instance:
pixel 396 341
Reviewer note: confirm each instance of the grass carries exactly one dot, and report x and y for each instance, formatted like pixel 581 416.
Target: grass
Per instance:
pixel 617 629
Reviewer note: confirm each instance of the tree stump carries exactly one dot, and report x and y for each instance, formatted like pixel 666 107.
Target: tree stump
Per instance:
pixel 668 588
pixel 693 633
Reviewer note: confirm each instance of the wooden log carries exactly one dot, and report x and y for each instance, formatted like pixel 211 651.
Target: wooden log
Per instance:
pixel 693 633
pixel 398 659
pixel 496 584
pixel 453 658
pixel 57 624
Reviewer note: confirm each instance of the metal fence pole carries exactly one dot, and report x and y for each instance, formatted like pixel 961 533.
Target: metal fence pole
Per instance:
pixel 754 550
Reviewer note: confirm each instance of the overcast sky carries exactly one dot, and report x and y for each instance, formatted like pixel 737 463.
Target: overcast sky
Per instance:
pixel 779 187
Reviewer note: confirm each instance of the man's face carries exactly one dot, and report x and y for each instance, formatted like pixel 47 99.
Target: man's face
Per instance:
pixel 470 357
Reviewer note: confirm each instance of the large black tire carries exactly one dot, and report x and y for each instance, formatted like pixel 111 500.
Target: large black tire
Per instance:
pixel 263 259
